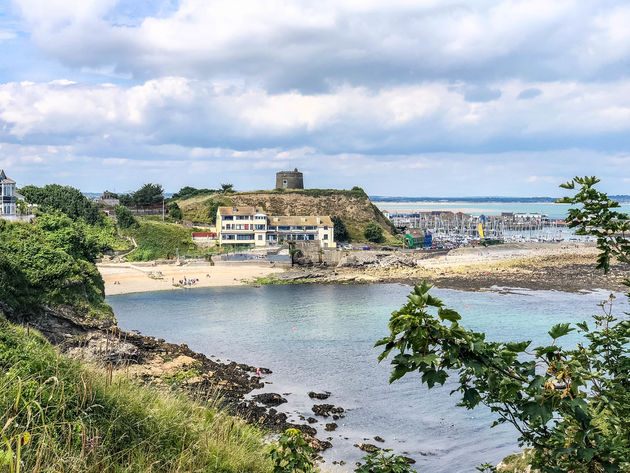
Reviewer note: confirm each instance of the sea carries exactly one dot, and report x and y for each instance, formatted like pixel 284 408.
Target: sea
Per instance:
pixel 487 207
pixel 321 338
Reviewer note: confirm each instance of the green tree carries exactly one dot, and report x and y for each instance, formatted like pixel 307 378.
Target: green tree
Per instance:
pixel 227 189
pixel 70 236
pixel 340 231
pixel 148 194
pixel 571 406
pixel 124 217
pixel 174 211
pixel 373 232
pixel 126 200
pixel 64 198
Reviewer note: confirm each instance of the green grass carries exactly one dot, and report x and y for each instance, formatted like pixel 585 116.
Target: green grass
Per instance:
pixel 158 240
pixel 58 415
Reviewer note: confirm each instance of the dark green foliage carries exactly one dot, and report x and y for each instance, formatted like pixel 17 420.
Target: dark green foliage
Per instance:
pixel 227 189
pixel 188 192
pixel 571 406
pixel 36 270
pixel 598 217
pixel 125 218
pixel 213 206
pixel 292 454
pixel 64 198
pixel 126 200
pixel 148 194
pixel 69 236
pixel 340 231
pixel 373 232
pixel 174 211
pixel 380 462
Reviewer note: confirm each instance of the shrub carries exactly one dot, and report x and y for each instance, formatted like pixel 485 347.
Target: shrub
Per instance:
pixel 380 462
pixel 373 232
pixel 292 454
pixel 124 217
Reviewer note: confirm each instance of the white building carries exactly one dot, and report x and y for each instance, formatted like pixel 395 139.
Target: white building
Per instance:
pixel 252 226
pixel 8 197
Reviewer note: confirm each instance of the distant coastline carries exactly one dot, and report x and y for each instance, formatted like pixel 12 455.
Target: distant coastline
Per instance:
pixel 483 199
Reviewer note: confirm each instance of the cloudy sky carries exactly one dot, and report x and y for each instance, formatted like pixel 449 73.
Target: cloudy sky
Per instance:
pixel 403 97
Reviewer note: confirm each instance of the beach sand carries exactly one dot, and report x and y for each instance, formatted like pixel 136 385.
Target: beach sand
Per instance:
pixel 136 277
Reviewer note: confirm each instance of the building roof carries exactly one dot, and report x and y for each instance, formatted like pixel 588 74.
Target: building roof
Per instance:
pixel 315 221
pixel 4 178
pixel 244 210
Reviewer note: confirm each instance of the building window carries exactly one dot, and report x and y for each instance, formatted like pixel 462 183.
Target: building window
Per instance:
pixel 260 227
pixel 244 237
pixel 260 237
pixel 326 236
pixel 325 227
pixel 284 181
pixel 228 217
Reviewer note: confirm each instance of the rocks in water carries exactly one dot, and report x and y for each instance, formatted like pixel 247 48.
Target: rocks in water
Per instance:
pixel 269 399
pixel 325 410
pixel 368 447
pixel 409 460
pixel 311 420
pixel 332 426
pixel 322 396
pixel 379 439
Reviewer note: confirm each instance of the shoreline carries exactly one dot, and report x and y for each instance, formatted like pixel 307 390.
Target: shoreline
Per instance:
pixel 128 278
pixel 567 267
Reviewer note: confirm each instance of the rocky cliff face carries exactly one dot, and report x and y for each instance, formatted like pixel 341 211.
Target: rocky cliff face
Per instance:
pixel 56 323
pixel 353 207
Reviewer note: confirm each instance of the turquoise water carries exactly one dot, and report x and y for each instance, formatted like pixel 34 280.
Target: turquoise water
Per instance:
pixel 553 210
pixel 331 349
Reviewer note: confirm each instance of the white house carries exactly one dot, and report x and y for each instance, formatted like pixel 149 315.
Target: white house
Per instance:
pixel 8 197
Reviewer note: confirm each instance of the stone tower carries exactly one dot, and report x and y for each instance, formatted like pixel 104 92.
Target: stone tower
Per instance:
pixel 289 180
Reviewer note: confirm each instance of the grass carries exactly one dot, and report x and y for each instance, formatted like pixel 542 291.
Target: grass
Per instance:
pixel 58 415
pixel 157 240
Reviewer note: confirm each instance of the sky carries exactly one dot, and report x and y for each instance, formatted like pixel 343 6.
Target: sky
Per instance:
pixel 401 98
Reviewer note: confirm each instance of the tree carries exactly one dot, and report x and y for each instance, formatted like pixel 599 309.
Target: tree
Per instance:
pixel 174 211
pixel 126 200
pixel 373 232
pixel 64 198
pixel 340 231
pixel 124 217
pixel 227 189
pixel 148 194
pixel 187 192
pixel 571 406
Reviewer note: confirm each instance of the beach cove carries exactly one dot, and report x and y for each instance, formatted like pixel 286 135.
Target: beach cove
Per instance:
pixel 320 338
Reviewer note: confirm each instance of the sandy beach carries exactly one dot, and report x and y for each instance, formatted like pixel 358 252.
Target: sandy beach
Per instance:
pixel 124 278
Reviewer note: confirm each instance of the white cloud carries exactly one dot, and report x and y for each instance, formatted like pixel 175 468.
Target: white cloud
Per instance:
pixel 309 45
pixel 204 113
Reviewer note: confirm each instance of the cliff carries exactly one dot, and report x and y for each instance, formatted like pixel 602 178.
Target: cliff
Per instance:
pixel 353 207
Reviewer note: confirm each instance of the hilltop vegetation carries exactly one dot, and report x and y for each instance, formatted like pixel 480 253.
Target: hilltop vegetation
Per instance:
pixel 46 269
pixel 158 240
pixel 353 207
pixel 60 415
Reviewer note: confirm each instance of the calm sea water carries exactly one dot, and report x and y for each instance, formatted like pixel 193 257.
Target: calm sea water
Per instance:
pixel 321 338
pixel 553 210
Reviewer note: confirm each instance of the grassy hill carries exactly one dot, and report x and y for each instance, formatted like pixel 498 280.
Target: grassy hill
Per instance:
pixel 62 415
pixel 353 206
pixel 158 240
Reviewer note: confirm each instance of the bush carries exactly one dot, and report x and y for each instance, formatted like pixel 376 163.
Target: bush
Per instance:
pixel 379 462
pixel 373 232
pixel 174 211
pixel 340 232
pixel 124 217
pixel 292 454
